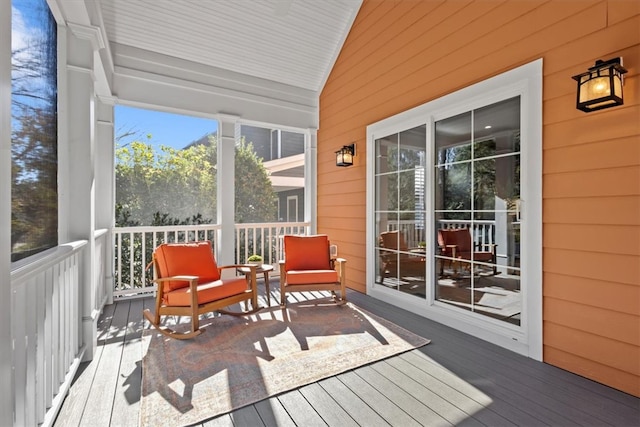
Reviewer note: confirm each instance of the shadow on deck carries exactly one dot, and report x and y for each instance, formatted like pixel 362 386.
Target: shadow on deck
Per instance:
pixel 456 380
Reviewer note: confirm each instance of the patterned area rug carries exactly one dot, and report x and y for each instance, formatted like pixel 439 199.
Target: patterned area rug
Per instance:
pixel 238 361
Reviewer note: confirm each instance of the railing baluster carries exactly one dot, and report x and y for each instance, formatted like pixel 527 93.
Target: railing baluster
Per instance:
pixel 264 239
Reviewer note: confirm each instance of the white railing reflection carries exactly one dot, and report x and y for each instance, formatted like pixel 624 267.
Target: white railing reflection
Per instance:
pixel 134 247
pixel 483 231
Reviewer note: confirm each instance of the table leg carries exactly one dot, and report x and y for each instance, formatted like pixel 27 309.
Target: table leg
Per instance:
pixel 266 287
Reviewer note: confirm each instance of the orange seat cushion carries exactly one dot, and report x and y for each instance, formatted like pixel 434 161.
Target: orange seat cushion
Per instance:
pixel 207 292
pixel 306 252
pixel 186 259
pixel 307 277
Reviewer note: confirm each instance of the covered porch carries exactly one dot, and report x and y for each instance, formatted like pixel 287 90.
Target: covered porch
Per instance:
pixel 74 312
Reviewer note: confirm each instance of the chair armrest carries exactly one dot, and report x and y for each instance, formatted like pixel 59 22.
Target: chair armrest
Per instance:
pixel 340 267
pixel 176 279
pixel 193 282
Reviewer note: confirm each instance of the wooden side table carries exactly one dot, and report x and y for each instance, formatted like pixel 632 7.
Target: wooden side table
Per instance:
pixel 265 269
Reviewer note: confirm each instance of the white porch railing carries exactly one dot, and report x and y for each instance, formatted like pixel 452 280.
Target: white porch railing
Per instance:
pixel 46 331
pixel 134 247
pixel 265 239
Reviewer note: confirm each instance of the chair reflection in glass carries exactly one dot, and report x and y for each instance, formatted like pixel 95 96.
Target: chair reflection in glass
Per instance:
pixel 456 244
pixel 410 260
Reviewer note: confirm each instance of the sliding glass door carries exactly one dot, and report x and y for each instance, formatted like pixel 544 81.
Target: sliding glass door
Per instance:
pixel 450 236
pixel 476 190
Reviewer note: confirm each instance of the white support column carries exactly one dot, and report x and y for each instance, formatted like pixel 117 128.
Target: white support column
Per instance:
pixel 80 161
pixel 311 180
pixel 6 350
pixel 105 182
pixel 226 190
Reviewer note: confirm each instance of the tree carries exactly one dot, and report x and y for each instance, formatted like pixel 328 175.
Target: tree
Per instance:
pixel 255 199
pixel 175 183
pixel 181 184
pixel 34 198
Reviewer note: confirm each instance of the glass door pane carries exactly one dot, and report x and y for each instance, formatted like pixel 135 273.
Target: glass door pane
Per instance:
pixel 400 211
pixel 476 195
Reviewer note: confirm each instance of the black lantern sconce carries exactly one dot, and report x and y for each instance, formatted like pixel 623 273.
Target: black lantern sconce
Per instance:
pixel 344 156
pixel 601 86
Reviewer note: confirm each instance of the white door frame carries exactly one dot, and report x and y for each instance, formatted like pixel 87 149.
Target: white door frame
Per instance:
pixel 526 82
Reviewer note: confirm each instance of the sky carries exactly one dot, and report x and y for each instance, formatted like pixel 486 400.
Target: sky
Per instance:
pixel 173 130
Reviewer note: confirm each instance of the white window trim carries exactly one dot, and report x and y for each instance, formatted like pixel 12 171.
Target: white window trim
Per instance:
pixel 289 199
pixel 526 82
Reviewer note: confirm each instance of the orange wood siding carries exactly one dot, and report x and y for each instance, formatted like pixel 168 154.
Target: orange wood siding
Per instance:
pixel 400 54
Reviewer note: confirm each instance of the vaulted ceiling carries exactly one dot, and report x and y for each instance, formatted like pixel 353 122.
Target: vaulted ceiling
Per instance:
pixel 293 42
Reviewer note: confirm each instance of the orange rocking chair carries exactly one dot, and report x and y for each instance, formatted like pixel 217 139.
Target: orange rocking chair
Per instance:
pixel 189 283
pixel 307 266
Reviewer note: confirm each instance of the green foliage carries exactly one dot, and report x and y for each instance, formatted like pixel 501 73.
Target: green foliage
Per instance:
pixel 175 183
pixel 178 187
pixel 255 199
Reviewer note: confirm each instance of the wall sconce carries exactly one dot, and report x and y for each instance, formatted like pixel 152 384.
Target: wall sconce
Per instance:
pixel 601 86
pixel 344 156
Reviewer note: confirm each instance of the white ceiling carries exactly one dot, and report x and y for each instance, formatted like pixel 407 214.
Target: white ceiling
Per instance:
pixel 294 42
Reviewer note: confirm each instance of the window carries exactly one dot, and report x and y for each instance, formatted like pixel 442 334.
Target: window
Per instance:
pixel 34 129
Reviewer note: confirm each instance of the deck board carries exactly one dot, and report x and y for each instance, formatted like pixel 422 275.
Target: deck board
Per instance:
pixel 300 411
pixel 324 404
pixel 450 388
pixel 351 403
pixel 103 388
pixel 456 380
pixel 126 404
pixel 273 413
pixel 377 400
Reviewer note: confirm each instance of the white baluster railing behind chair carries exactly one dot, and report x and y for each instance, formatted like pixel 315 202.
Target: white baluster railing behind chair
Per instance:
pixel 265 239
pixel 134 248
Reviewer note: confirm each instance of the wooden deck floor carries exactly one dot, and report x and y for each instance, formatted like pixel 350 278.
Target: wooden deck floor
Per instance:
pixel 455 380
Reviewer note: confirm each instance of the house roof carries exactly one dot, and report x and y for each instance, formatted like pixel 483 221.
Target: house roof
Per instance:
pixel 294 42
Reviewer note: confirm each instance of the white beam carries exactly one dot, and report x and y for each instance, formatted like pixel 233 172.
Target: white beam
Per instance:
pixel 6 350
pixel 287 181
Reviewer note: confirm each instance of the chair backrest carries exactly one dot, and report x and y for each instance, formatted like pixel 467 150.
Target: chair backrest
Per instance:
pixel 306 252
pixel 460 237
pixel 393 240
pixel 186 259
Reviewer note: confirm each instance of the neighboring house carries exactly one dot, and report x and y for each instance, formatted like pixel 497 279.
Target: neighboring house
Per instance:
pixel 282 154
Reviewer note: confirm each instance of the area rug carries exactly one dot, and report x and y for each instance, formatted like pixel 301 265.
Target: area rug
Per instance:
pixel 238 361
